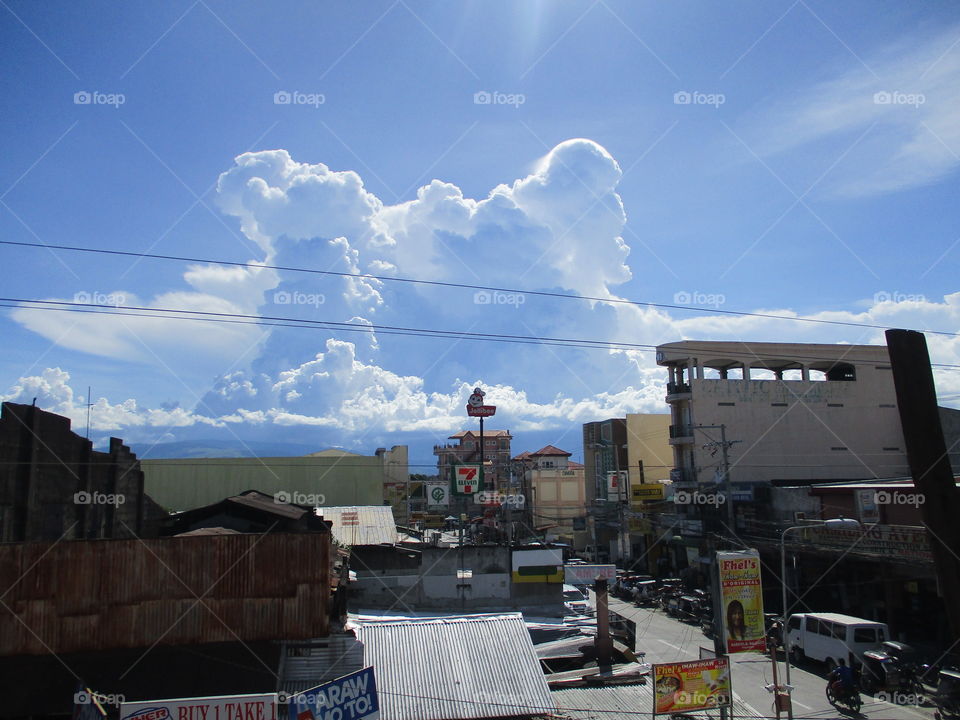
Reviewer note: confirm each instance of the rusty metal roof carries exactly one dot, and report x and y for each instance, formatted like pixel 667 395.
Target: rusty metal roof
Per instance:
pixel 455 668
pixel 102 594
pixel 362 524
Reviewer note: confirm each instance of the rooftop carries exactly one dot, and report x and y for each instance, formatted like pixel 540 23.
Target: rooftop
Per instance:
pixel 361 524
pixel 455 668
pixel 548 450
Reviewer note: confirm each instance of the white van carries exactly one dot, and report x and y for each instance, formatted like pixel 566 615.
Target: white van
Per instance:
pixel 827 637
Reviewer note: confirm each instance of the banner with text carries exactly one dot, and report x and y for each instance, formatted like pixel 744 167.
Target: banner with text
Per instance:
pixel 224 707
pixel 741 598
pixel 352 697
pixel 693 685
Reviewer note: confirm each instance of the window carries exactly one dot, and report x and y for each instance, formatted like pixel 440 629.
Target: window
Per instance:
pixel 793 623
pixel 834 404
pixel 813 625
pixel 778 405
pixel 726 404
pixel 826 628
pixel 865 635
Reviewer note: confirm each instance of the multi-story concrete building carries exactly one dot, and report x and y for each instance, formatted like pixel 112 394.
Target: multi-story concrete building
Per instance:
pixel 604 451
pixel 648 447
pixel 557 494
pixel 496 455
pixel 795 411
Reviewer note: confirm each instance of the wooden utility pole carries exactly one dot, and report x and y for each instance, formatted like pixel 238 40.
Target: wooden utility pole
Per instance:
pixel 929 462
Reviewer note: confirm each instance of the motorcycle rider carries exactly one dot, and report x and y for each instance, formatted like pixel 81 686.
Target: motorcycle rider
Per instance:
pixel 841 679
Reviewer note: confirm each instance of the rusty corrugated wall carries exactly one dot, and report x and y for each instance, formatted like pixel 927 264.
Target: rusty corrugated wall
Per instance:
pixel 102 594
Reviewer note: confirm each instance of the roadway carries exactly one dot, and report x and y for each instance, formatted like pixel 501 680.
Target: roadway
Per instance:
pixel 665 639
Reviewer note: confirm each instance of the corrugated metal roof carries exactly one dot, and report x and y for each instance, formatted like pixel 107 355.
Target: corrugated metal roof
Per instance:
pixel 455 668
pixel 305 665
pixel 362 524
pixel 604 703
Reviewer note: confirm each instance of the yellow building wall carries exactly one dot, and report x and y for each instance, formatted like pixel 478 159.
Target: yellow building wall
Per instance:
pixel 648 439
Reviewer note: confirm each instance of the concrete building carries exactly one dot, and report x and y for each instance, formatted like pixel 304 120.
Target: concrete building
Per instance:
pixel 648 444
pixel 797 411
pixel 558 495
pixel 496 455
pixel 329 477
pixel 604 451
pixel 54 485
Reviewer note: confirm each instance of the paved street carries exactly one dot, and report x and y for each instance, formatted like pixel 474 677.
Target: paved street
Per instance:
pixel 665 639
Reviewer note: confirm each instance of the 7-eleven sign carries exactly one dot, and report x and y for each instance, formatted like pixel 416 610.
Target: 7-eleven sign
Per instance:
pixel 467 479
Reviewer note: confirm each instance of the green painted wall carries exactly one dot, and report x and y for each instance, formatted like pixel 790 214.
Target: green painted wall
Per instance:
pixel 183 484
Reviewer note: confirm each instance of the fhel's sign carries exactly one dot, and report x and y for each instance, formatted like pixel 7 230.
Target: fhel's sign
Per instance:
pixel 352 697
pixel 222 707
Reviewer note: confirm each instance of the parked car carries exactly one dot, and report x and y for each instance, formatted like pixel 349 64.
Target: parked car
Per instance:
pixel 826 637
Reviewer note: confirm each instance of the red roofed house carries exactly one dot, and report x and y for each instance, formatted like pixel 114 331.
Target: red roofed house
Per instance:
pixel 558 500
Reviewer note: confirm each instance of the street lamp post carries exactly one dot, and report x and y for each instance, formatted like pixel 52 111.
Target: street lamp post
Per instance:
pixel 837 523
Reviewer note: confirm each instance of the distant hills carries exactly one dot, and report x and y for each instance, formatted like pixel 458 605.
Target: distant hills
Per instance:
pixel 216 448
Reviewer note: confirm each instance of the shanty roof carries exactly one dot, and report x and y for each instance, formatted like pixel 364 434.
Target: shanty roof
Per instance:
pixel 362 524
pixel 522 456
pixel 550 450
pixel 604 702
pixel 455 668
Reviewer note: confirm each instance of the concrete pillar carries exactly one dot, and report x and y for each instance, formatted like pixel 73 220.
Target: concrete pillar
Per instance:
pixel 804 373
pixel 746 371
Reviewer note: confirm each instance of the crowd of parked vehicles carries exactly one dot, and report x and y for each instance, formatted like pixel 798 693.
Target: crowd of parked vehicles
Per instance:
pixel 877 665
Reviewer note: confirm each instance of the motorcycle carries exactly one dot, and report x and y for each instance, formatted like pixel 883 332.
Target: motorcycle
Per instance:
pixel 946 697
pixel 841 698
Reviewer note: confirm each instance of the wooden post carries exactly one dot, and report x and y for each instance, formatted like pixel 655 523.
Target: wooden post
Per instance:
pixel 929 462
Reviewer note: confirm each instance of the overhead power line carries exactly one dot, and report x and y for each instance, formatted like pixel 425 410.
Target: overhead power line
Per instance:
pixel 462 286
pixel 368 328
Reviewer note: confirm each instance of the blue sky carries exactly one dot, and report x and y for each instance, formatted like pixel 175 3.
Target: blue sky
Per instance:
pixel 798 158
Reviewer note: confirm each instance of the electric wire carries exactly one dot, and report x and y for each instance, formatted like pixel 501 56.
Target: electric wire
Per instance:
pixel 462 286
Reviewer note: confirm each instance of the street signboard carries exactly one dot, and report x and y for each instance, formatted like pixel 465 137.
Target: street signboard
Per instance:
pixel 467 479
pixel 352 697
pixel 647 492
pixel 481 410
pixel 741 597
pixel 475 406
pixel 437 493
pixel 618 484
pixel 693 685
pixel 586 574
pixel 223 707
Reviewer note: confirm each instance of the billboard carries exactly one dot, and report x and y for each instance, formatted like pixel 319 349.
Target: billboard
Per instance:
pixel 538 566
pixel 437 493
pixel 741 597
pixel 351 697
pixel 693 685
pixel 586 574
pixel 222 707
pixel 648 492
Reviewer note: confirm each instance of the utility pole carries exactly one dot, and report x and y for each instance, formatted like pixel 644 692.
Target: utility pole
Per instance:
pixel 727 485
pixel 929 461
